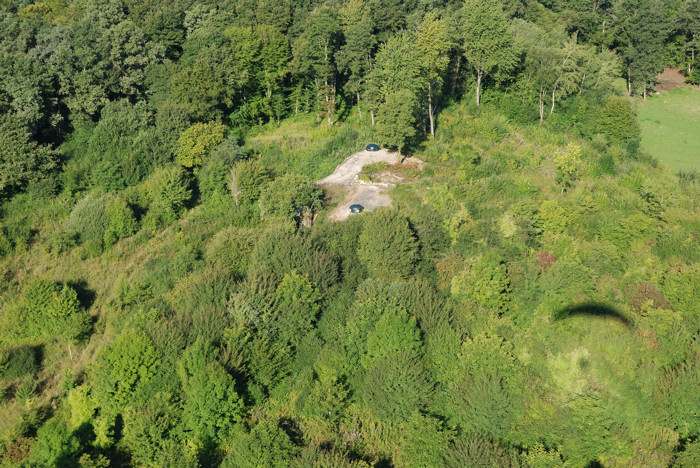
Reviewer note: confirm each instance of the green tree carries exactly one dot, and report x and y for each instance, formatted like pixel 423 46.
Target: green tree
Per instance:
pixel 297 307
pixel 212 405
pixel 167 193
pixel 22 161
pixel 197 142
pixel 433 43
pixel 355 56
pixel 55 446
pixel 643 28
pixel 246 180
pixel 128 362
pixel 488 46
pixel 387 246
pixel 266 445
pixel 396 116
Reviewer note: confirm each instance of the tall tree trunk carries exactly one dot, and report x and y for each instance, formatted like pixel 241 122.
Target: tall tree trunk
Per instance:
pixel 371 115
pixel 629 83
pixel 645 92
pixel 430 110
pixel 479 75
pixel 552 109
pixel 359 109
pixel 542 93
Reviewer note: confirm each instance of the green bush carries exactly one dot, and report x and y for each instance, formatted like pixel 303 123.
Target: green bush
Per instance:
pixel 89 219
pixel 291 197
pixel 121 221
pixel 17 362
pixel 246 180
pixel 55 446
pixel 387 246
pixel 618 121
pixel 167 192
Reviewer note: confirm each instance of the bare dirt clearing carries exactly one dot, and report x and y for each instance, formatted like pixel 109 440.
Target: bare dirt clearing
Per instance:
pixel 345 184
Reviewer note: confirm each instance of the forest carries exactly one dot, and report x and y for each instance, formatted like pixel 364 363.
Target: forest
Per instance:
pixel 174 293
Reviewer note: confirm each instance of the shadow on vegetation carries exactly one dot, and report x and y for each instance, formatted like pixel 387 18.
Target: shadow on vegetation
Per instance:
pixel 85 296
pixel 593 309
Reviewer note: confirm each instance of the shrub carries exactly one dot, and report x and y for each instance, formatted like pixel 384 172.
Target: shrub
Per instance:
pixel 167 191
pixel 618 121
pixel 246 179
pixel 266 445
pixel 121 221
pixel 17 362
pixel 55 446
pixel 211 406
pixel 129 361
pixel 387 246
pixel 89 219
pixel 291 197
pixel 478 451
pixel 395 387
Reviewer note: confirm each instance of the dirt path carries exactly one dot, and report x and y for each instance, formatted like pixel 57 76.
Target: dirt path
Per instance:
pixel 354 191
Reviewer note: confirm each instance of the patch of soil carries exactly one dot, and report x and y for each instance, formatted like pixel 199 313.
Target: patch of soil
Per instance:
pixel 670 78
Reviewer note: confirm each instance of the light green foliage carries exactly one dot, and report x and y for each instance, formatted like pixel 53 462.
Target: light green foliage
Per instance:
pixel 387 246
pixel 291 197
pixel 89 219
pixel 197 142
pixel 568 162
pixel 121 221
pixel 120 368
pixel 552 218
pixel 167 193
pixel 55 446
pixel 47 311
pixel 266 445
pixel 246 180
pixel 395 333
pixel 82 406
pixel 485 282
pixel 540 457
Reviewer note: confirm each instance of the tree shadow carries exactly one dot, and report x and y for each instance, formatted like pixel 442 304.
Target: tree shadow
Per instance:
pixel 593 309
pixel 86 296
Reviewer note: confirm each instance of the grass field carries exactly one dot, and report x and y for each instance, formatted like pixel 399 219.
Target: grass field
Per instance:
pixel 671 128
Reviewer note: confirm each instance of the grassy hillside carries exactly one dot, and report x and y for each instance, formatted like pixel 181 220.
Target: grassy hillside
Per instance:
pixel 671 127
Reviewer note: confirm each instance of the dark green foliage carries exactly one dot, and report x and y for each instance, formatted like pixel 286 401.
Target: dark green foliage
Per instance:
pixel 387 245
pixel 17 362
pixel 22 161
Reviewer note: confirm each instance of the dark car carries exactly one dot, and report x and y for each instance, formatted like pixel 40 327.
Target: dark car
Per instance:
pixel 372 147
pixel 356 208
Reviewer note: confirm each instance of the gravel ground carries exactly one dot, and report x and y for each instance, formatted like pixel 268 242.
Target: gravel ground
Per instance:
pixel 367 194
